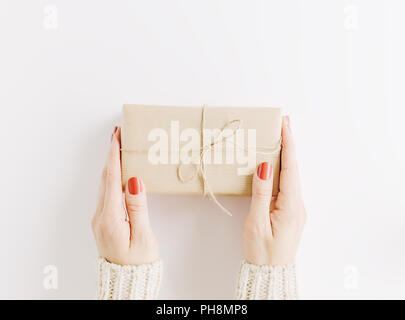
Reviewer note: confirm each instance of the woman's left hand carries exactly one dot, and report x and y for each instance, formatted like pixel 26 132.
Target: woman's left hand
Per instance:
pixel 120 240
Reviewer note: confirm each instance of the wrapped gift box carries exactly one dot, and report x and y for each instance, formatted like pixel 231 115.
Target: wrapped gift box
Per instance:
pixel 199 150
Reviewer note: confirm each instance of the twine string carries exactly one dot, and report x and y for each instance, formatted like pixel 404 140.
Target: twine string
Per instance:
pixel 201 168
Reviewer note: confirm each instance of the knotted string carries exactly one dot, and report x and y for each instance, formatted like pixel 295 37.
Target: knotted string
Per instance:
pixel 205 148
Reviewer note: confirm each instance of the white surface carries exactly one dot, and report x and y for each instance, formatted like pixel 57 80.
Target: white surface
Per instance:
pixel 61 92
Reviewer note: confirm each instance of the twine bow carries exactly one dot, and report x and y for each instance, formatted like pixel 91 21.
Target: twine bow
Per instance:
pixel 201 168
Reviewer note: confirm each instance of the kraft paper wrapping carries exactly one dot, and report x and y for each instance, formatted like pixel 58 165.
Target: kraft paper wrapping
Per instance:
pixel 223 179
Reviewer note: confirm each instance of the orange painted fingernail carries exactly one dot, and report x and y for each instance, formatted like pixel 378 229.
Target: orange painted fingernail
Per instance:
pixel 264 171
pixel 134 186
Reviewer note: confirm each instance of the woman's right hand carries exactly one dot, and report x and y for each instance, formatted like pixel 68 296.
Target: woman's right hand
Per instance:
pixel 272 230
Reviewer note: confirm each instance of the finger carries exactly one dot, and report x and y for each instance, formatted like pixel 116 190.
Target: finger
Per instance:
pixel 113 192
pixel 102 188
pixel 137 208
pixel 262 187
pixel 101 192
pixel 289 180
pixel 100 202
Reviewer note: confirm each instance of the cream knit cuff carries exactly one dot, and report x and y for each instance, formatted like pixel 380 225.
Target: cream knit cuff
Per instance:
pixel 266 282
pixel 116 282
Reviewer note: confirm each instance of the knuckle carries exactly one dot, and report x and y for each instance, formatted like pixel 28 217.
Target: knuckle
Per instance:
pixel 94 224
pixel 264 188
pixel 261 196
pixel 136 207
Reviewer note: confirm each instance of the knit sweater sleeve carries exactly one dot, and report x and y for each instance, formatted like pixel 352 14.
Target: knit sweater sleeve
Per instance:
pixel 116 282
pixel 266 282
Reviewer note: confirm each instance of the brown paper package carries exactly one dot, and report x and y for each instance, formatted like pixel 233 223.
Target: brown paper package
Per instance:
pixel 222 178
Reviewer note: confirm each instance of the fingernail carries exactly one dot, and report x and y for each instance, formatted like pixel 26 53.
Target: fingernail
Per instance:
pixel 134 186
pixel 264 171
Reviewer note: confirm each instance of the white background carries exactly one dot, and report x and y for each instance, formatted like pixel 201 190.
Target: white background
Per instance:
pixel 337 67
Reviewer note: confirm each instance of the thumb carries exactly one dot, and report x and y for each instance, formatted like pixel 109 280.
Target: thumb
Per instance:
pixel 137 208
pixel 262 187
